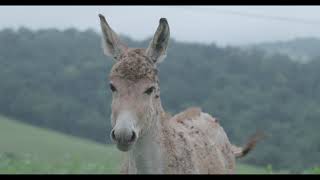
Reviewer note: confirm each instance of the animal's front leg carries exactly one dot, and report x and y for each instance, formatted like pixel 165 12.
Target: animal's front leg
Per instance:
pixel 125 168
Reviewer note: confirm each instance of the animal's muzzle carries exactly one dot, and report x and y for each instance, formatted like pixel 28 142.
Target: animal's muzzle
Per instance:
pixel 123 136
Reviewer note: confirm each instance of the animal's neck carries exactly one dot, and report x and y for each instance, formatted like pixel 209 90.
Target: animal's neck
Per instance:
pixel 147 156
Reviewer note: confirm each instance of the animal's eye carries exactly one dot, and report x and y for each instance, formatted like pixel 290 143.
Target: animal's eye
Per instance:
pixel 150 90
pixel 113 89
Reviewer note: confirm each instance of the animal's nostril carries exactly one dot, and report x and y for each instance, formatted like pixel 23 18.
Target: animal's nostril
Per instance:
pixel 133 137
pixel 113 136
pixel 123 136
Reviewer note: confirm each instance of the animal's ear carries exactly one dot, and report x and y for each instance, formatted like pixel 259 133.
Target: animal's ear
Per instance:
pixel 111 44
pixel 158 46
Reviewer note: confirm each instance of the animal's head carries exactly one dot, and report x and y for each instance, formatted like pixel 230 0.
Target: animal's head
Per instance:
pixel 134 83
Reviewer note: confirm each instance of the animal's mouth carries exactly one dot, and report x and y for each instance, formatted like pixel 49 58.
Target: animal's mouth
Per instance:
pixel 124 146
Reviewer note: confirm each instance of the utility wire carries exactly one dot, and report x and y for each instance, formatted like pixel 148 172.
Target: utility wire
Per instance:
pixel 261 16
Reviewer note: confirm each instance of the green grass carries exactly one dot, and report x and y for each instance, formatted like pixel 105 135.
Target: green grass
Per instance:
pixel 314 170
pixel 28 149
pixel 248 169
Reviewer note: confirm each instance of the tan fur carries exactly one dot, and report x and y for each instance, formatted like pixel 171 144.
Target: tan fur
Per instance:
pixel 194 143
pixel 191 142
pixel 187 114
pixel 200 144
pixel 134 65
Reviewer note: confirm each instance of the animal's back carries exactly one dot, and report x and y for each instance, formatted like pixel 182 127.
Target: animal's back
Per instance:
pixel 198 144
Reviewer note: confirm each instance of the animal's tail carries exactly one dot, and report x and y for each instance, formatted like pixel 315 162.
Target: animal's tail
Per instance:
pixel 242 151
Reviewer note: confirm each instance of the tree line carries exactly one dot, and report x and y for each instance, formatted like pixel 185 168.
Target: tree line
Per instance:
pixel 59 80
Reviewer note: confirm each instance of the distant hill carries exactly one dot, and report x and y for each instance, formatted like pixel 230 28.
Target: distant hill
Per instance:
pixel 299 49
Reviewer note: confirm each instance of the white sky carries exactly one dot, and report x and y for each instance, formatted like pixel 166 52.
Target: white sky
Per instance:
pixel 206 24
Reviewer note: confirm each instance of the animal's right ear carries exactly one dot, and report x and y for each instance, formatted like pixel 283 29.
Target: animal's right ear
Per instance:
pixel 111 44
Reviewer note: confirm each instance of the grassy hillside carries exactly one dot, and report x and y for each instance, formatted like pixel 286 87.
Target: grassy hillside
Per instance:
pixel 27 149
pixel 33 150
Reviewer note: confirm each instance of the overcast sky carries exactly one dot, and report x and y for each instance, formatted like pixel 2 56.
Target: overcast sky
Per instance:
pixel 206 24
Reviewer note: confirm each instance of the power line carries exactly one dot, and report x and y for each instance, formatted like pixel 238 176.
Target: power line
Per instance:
pixel 261 16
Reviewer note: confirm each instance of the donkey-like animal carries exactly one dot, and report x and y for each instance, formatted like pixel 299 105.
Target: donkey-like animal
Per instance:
pixel 189 142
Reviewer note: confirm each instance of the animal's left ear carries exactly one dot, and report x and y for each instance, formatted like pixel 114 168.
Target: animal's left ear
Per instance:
pixel 158 46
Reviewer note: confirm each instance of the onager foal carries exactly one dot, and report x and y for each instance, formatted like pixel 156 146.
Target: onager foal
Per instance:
pixel 189 142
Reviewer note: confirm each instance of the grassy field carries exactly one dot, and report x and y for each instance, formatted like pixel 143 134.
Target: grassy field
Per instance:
pixel 27 149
